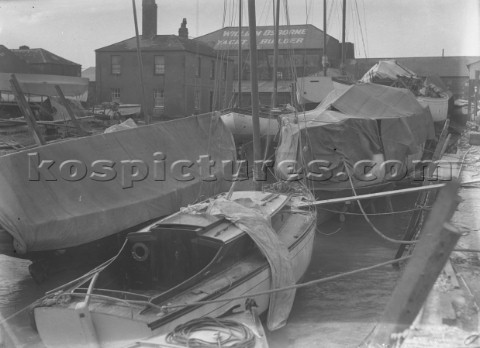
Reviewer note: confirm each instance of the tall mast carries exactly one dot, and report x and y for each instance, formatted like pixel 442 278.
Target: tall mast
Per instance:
pixel 239 53
pixel 276 26
pixel 254 81
pixel 344 18
pixel 324 58
pixel 140 66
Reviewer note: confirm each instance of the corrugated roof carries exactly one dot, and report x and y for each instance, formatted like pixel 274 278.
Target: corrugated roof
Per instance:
pixel 161 43
pixel 304 36
pixel 41 56
pixel 10 63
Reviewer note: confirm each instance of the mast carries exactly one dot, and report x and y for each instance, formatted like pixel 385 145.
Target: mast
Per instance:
pixel 239 53
pixel 254 92
pixel 276 26
pixel 344 18
pixel 324 58
pixel 140 65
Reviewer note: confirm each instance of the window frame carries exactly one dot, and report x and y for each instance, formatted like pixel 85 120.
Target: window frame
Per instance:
pixel 160 91
pixel 118 65
pixel 197 99
pixel 198 73
pixel 212 69
pixel 155 65
pixel 115 94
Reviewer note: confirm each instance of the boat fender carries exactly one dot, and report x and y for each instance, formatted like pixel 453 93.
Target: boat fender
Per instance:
pixel 140 251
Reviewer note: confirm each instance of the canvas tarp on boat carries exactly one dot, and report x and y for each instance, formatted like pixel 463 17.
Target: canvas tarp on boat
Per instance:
pixel 248 216
pixel 67 204
pixel 364 122
pixel 387 70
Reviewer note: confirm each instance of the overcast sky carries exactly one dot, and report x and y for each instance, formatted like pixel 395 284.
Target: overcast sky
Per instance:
pixel 73 29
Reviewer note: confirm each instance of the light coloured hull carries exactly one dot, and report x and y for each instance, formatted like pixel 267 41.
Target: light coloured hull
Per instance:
pixel 240 124
pixel 62 327
pixel 438 106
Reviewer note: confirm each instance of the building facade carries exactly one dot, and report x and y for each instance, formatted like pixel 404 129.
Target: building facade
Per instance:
pixel 181 76
pixel 301 48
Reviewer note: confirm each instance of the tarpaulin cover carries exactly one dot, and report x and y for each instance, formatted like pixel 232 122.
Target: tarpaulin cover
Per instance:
pixel 387 70
pixel 44 85
pixel 364 122
pixel 250 218
pixel 45 210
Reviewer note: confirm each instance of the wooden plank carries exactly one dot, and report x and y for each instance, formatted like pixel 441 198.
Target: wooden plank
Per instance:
pixel 42 123
pixel 26 110
pixel 70 112
pixel 437 241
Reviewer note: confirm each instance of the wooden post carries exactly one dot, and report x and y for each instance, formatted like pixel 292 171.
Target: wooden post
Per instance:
pixel 70 112
pixel 475 101
pixel 276 28
pixel 437 241
pixel 254 91
pixel 469 98
pixel 26 110
pixel 324 57
pixel 344 48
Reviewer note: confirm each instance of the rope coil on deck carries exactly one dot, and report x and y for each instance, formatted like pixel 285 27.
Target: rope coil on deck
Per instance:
pixel 229 333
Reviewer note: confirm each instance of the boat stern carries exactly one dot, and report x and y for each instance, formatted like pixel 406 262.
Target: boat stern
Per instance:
pixel 79 327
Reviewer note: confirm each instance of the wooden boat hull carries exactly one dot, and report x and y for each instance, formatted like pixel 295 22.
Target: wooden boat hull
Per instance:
pixel 72 326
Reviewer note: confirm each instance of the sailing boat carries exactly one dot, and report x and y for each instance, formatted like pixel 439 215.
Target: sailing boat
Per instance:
pixel 192 264
pixel 239 120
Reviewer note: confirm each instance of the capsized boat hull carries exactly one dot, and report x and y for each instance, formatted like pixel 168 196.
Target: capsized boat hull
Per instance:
pixel 119 324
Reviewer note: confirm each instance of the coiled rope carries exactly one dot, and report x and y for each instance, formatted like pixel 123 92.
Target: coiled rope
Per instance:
pixel 228 333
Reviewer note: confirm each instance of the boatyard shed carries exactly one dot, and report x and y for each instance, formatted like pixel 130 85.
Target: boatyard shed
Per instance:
pixel 181 76
pixel 46 62
pixel 302 44
pixel 10 63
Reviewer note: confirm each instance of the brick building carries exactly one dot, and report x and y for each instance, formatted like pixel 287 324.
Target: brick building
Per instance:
pixel 181 76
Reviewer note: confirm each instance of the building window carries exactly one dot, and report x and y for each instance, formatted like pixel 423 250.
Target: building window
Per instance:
pixel 225 71
pixel 196 100
pixel 158 99
pixel 115 94
pixel 116 65
pixel 199 67
pixel 159 68
pixel 212 70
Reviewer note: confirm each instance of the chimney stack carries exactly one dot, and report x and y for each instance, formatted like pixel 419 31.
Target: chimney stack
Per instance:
pixel 183 31
pixel 149 19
